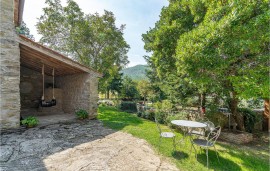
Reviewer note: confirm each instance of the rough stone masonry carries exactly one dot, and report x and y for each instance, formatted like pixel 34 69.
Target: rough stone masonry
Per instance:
pixel 9 68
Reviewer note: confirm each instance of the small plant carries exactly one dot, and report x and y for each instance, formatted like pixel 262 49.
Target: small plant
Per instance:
pixel 30 121
pixel 81 114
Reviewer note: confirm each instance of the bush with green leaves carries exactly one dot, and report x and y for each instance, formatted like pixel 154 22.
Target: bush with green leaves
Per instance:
pixel 249 118
pixel 81 114
pixel 30 121
pixel 161 116
pixel 128 106
pixel 149 114
pixel 182 115
pixel 218 118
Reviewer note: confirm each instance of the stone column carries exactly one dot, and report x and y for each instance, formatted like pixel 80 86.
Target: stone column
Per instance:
pixel 9 68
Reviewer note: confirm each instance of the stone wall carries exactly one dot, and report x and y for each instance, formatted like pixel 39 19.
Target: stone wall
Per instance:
pixel 79 92
pixel 30 88
pixel 9 68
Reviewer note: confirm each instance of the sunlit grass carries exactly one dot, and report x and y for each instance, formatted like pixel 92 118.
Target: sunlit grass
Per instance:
pixel 231 158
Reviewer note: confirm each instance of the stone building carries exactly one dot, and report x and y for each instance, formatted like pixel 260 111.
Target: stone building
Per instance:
pixel 21 86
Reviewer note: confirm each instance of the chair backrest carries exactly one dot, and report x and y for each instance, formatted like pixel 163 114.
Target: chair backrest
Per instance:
pixel 210 126
pixel 213 135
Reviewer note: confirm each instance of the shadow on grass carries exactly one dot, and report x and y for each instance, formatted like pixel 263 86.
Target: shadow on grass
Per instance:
pixel 248 158
pixel 225 164
pixel 116 119
pixel 179 155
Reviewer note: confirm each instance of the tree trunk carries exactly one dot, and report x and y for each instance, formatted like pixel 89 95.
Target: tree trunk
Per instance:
pixel 108 94
pixel 233 103
pixel 266 117
pixel 144 100
pixel 203 101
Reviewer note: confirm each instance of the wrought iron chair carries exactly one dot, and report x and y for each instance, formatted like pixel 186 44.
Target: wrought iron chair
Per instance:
pixel 208 142
pixel 165 134
pixel 202 132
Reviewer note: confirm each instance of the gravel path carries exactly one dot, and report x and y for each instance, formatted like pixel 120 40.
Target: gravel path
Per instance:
pixel 81 145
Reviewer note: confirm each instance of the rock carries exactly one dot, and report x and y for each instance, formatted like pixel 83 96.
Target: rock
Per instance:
pixel 34 146
pixel 5 153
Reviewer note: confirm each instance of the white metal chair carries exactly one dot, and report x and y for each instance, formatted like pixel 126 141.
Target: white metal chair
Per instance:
pixel 202 132
pixel 208 142
pixel 165 134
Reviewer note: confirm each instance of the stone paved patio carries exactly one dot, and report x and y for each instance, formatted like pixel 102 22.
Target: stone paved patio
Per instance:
pixel 80 145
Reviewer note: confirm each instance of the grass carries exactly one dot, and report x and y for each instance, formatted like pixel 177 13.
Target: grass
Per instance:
pixel 231 157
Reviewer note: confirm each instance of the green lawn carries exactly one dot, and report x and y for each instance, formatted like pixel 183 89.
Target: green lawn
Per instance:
pixel 231 157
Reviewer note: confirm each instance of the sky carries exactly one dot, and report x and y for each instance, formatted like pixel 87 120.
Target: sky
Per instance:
pixel 138 16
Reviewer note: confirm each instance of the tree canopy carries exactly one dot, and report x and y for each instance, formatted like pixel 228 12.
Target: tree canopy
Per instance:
pixel 214 47
pixel 92 39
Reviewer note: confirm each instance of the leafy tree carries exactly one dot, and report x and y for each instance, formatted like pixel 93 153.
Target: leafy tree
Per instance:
pixel 115 85
pixel 91 39
pixel 144 89
pixel 129 90
pixel 161 40
pixel 24 30
pixel 216 47
pixel 229 51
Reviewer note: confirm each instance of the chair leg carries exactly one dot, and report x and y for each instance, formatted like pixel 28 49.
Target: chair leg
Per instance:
pixel 216 153
pixel 207 156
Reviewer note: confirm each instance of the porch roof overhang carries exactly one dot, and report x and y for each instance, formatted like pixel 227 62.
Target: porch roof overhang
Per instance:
pixel 33 55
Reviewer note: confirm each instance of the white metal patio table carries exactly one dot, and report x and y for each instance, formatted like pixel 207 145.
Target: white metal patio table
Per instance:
pixel 186 125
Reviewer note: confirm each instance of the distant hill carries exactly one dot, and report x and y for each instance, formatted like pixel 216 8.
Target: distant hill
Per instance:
pixel 136 72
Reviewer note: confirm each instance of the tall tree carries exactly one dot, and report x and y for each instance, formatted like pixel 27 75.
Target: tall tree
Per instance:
pixel 129 90
pixel 161 40
pixel 144 89
pixel 216 47
pixel 229 51
pixel 91 39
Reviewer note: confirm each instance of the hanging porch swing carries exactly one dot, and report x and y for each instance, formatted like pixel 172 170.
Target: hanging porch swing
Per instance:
pixel 44 103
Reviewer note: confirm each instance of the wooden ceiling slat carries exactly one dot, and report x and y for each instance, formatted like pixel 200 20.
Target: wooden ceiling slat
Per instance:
pixel 33 59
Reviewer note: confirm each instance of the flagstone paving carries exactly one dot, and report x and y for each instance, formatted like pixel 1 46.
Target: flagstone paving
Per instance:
pixel 80 145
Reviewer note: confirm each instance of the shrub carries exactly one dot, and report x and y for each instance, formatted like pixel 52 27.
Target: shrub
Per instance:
pixel 128 106
pixel 249 118
pixel 218 118
pixel 161 117
pixel 177 116
pixel 81 114
pixel 149 114
pixel 30 121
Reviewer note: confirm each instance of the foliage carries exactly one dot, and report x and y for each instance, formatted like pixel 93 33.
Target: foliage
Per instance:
pixel 161 117
pixel 91 39
pixel 164 106
pixel 81 114
pixel 250 118
pixel 144 89
pixel 128 106
pixel 136 73
pixel 217 118
pixel 24 30
pixel 30 121
pixel 129 90
pixel 232 157
pixel 149 114
pixel 176 116
pixel 213 47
